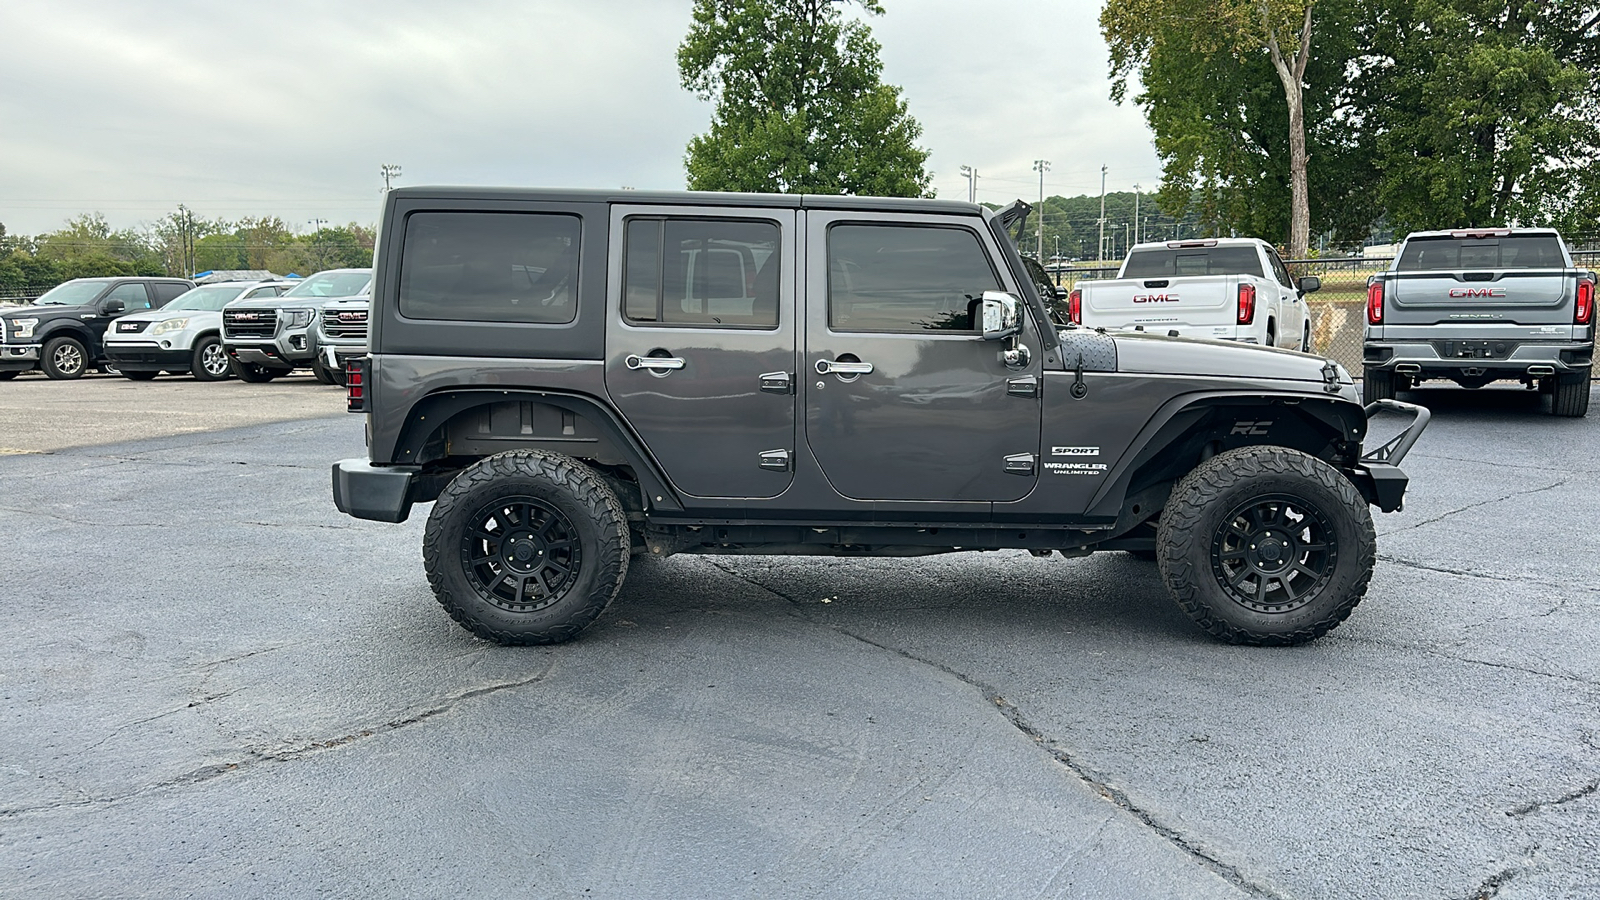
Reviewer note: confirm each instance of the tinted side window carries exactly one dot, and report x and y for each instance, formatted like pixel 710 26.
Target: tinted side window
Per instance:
pixel 1279 270
pixel 717 273
pixel 168 290
pixel 905 278
pixel 490 267
pixel 133 296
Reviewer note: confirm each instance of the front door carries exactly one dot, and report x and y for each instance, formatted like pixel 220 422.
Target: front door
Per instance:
pixel 701 341
pixel 903 400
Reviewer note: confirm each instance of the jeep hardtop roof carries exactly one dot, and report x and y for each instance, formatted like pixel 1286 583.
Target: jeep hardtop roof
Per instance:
pixel 691 198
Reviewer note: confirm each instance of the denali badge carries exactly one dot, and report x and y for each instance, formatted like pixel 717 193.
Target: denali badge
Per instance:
pixel 1074 451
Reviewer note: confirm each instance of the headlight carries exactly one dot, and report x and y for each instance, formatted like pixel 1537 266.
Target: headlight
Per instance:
pixel 296 318
pixel 23 328
pixel 169 325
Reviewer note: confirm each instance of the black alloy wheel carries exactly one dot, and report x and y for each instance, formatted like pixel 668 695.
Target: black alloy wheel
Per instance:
pixel 1274 553
pixel 521 554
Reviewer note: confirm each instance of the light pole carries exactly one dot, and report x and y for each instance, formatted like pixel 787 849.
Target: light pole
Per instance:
pixel 971 174
pixel 389 171
pixel 1057 259
pixel 1041 166
pixel 1136 212
pixel 1100 250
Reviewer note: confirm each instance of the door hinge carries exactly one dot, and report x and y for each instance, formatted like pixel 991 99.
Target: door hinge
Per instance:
pixel 1021 463
pixel 1026 386
pixel 775 460
pixel 777 383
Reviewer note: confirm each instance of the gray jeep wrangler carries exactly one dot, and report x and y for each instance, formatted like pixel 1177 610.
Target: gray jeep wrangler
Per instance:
pixel 576 378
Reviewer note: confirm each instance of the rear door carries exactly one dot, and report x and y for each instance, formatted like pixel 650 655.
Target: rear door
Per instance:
pixel 903 401
pixel 700 343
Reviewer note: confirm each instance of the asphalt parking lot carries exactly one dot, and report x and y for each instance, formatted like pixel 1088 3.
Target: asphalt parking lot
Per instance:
pixel 218 686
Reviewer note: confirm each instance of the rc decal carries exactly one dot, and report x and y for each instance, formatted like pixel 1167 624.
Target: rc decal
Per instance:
pixel 1252 428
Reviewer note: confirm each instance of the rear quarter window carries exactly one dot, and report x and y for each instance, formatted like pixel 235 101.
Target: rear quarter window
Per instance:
pixel 490 267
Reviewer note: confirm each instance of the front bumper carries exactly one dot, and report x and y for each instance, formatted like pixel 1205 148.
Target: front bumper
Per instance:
pixel 286 352
pixel 19 357
pixel 334 355
pixel 379 493
pixel 147 358
pixel 1378 475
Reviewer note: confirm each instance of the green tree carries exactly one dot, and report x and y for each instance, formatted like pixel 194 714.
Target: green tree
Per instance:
pixel 800 105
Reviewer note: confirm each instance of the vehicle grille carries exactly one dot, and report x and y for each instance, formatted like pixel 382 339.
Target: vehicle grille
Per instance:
pixel 131 327
pixel 249 323
pixel 347 324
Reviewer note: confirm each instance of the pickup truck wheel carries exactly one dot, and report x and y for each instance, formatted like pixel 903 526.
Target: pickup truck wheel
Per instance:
pixel 1266 545
pixel 1376 384
pixel 1570 399
pixel 526 547
pixel 251 372
pixel 210 362
pixel 63 357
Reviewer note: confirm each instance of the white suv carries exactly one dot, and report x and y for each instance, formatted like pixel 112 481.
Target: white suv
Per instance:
pixel 183 336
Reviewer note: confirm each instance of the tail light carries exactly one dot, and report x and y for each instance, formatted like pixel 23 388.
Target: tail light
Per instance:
pixel 1585 312
pixel 355 384
pixel 1247 303
pixel 1375 303
pixel 1075 307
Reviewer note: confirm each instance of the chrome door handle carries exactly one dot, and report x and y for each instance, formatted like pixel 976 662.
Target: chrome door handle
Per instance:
pixel 828 366
pixel 654 363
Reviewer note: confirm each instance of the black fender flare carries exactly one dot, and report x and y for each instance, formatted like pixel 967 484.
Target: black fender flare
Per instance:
pixel 70 328
pixel 428 414
pixel 1339 418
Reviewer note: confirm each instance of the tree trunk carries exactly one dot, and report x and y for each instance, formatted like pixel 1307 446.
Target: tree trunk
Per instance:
pixel 1292 74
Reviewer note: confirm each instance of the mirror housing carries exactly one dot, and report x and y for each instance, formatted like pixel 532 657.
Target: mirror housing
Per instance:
pixel 112 306
pixel 1000 315
pixel 1309 284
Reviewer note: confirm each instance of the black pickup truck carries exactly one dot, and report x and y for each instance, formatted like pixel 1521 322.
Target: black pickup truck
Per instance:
pixel 62 332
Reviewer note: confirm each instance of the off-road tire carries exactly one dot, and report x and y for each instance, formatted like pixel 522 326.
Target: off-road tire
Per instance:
pixel 141 376
pixel 1570 398
pixel 251 372
pixel 1202 521
pixel 63 358
pixel 458 554
pixel 1376 384
pixel 209 350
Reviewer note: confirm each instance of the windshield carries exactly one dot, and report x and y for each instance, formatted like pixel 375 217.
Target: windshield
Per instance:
pixel 331 284
pixel 212 297
pixel 1540 251
pixel 1167 263
pixel 73 293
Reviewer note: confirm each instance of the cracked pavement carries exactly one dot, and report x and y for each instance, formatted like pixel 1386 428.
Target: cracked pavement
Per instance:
pixel 218 686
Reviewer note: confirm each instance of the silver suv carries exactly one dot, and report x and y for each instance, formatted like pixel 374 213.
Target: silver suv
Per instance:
pixel 271 337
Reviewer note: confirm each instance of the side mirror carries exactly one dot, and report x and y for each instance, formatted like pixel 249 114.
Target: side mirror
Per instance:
pixel 1000 315
pixel 113 306
pixel 1310 283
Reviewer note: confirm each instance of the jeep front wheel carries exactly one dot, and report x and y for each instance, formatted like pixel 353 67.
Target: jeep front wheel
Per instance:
pixel 1266 545
pixel 526 547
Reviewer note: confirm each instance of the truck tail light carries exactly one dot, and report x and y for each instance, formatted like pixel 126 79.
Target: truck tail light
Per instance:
pixel 355 384
pixel 1375 303
pixel 1247 303
pixel 1075 307
pixel 1585 311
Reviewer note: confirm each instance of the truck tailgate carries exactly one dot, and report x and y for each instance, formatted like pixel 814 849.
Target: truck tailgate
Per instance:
pixel 1538 297
pixel 1196 300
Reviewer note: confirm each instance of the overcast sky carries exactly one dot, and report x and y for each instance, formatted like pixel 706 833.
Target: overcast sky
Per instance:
pixel 289 107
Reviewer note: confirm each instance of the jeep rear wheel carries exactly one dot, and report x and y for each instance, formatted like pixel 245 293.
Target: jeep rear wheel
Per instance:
pixel 63 357
pixel 1266 545
pixel 526 547
pixel 1570 396
pixel 1376 384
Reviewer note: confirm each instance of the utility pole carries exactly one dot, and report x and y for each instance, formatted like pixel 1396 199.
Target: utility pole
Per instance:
pixel 1100 251
pixel 186 241
pixel 971 174
pixel 1057 259
pixel 1136 212
pixel 1041 166
pixel 389 171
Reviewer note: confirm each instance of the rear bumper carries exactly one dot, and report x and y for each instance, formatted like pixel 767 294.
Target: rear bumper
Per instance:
pixel 379 493
pixel 1523 358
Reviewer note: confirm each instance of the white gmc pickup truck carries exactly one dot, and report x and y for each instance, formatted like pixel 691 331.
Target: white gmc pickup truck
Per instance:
pixel 1231 289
